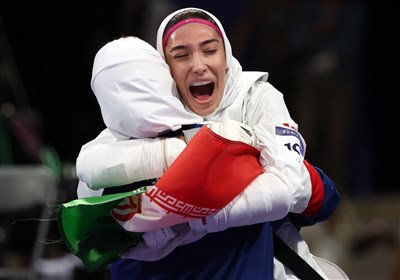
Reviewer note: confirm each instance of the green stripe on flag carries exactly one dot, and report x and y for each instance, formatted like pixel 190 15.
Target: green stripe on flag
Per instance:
pixel 91 233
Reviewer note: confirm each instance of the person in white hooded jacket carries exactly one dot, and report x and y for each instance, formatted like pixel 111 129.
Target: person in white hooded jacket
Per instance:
pixel 288 183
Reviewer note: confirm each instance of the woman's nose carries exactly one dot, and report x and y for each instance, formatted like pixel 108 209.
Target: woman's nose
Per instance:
pixel 199 67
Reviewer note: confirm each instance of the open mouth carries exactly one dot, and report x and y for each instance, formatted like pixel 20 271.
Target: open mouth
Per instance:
pixel 202 91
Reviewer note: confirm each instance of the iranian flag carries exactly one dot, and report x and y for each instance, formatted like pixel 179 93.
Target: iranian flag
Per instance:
pixel 207 175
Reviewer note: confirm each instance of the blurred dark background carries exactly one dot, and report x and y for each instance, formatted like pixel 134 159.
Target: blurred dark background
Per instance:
pixel 335 61
pixel 336 56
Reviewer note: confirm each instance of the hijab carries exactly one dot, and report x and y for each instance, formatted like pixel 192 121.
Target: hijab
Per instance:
pixel 135 90
pixel 234 69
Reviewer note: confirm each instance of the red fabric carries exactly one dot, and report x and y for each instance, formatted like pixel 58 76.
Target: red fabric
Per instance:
pixel 317 191
pixel 211 171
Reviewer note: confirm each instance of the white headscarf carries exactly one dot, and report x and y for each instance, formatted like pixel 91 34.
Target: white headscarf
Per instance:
pixel 234 74
pixel 135 90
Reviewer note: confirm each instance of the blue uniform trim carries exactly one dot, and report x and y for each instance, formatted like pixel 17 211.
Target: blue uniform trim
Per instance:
pixel 329 204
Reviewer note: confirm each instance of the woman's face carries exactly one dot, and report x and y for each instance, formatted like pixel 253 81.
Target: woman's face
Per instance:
pixel 196 56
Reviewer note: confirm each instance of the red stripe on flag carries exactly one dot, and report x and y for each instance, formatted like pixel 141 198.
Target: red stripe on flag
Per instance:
pixel 123 217
pixel 127 208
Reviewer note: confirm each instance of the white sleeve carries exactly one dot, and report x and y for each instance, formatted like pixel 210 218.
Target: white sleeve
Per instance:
pixel 282 148
pixel 106 161
pixel 256 204
pixel 282 156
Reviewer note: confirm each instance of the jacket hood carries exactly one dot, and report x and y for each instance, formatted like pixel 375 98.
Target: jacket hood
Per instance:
pixel 135 90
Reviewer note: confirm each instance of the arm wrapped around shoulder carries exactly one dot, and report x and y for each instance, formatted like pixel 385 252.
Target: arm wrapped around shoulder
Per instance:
pixel 196 185
pixel 104 163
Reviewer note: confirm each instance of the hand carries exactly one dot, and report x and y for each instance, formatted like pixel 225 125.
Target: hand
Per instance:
pixel 160 246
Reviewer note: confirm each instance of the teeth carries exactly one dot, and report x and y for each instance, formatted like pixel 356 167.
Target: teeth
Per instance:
pixel 201 83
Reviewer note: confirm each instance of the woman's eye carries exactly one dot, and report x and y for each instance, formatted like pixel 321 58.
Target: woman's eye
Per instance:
pixel 181 55
pixel 210 51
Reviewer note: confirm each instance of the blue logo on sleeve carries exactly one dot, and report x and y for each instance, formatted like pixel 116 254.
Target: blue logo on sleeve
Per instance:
pixel 297 147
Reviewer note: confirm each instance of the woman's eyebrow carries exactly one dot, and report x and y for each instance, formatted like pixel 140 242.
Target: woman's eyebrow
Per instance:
pixel 180 47
pixel 209 41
